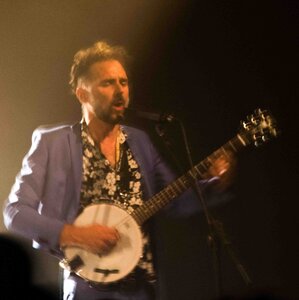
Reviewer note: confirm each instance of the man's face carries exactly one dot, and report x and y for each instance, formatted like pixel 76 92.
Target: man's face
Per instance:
pixel 106 91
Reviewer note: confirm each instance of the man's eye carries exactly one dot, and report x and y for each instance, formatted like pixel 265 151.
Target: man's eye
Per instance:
pixel 124 82
pixel 106 83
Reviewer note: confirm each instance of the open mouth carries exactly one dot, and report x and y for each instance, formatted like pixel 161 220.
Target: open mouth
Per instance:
pixel 119 105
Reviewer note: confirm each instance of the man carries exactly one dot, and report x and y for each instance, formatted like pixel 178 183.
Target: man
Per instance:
pixel 95 161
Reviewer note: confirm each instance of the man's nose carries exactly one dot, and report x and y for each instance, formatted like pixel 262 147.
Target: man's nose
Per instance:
pixel 119 88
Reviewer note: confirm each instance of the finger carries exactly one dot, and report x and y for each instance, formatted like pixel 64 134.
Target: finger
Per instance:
pixel 111 244
pixel 107 246
pixel 222 171
pixel 113 235
pixel 117 234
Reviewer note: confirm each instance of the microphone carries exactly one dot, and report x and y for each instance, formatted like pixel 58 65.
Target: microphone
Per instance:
pixel 157 117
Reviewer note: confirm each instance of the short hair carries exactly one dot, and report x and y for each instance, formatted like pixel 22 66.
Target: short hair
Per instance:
pixel 99 51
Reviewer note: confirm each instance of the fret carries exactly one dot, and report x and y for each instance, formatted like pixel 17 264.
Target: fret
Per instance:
pixel 180 184
pixel 150 207
pixel 241 140
pixel 141 214
pixel 206 164
pixel 165 193
pixel 223 151
pixel 216 154
pixel 209 160
pixel 170 192
pixel 232 146
pixel 164 199
pixel 177 186
pixel 199 172
pixel 136 217
pixel 136 214
pixel 192 174
pixel 183 182
pixel 148 210
pixel 173 191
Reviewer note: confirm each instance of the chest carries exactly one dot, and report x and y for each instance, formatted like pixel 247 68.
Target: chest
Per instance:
pixel 110 150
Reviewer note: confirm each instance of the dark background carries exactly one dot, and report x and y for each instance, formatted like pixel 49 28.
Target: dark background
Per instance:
pixel 210 63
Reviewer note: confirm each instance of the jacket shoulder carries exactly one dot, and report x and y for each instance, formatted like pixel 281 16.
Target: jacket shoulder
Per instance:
pixel 133 131
pixel 54 129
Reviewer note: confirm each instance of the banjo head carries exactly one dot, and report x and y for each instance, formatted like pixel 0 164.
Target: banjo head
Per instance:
pixel 117 263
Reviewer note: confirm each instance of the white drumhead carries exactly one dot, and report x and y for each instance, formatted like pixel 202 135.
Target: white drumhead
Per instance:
pixel 122 259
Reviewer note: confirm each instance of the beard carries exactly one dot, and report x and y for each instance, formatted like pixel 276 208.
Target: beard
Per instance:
pixel 110 115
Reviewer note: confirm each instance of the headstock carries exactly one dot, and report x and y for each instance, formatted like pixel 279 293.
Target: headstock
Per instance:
pixel 259 127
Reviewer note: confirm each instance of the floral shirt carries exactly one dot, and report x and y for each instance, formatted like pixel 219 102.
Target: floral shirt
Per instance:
pixel 120 185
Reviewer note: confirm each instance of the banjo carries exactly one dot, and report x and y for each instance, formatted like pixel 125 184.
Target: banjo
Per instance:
pixel 124 256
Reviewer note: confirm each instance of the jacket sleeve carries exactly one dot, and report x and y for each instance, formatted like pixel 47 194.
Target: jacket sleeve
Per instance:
pixel 22 209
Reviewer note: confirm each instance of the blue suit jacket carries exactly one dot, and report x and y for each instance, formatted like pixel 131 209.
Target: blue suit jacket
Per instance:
pixel 46 192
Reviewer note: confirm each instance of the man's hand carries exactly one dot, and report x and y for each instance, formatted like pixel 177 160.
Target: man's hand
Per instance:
pixel 223 167
pixel 94 238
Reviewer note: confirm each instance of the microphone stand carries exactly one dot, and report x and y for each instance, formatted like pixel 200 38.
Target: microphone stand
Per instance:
pixel 216 234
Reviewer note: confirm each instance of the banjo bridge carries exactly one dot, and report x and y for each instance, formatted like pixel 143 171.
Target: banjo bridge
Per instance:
pixel 106 272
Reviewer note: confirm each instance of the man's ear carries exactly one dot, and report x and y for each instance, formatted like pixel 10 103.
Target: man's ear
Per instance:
pixel 81 94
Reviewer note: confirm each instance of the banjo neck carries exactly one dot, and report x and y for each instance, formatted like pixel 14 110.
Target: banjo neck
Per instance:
pixel 181 184
pixel 258 128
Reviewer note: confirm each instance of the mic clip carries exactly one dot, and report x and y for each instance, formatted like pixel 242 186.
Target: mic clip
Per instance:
pixel 166 117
